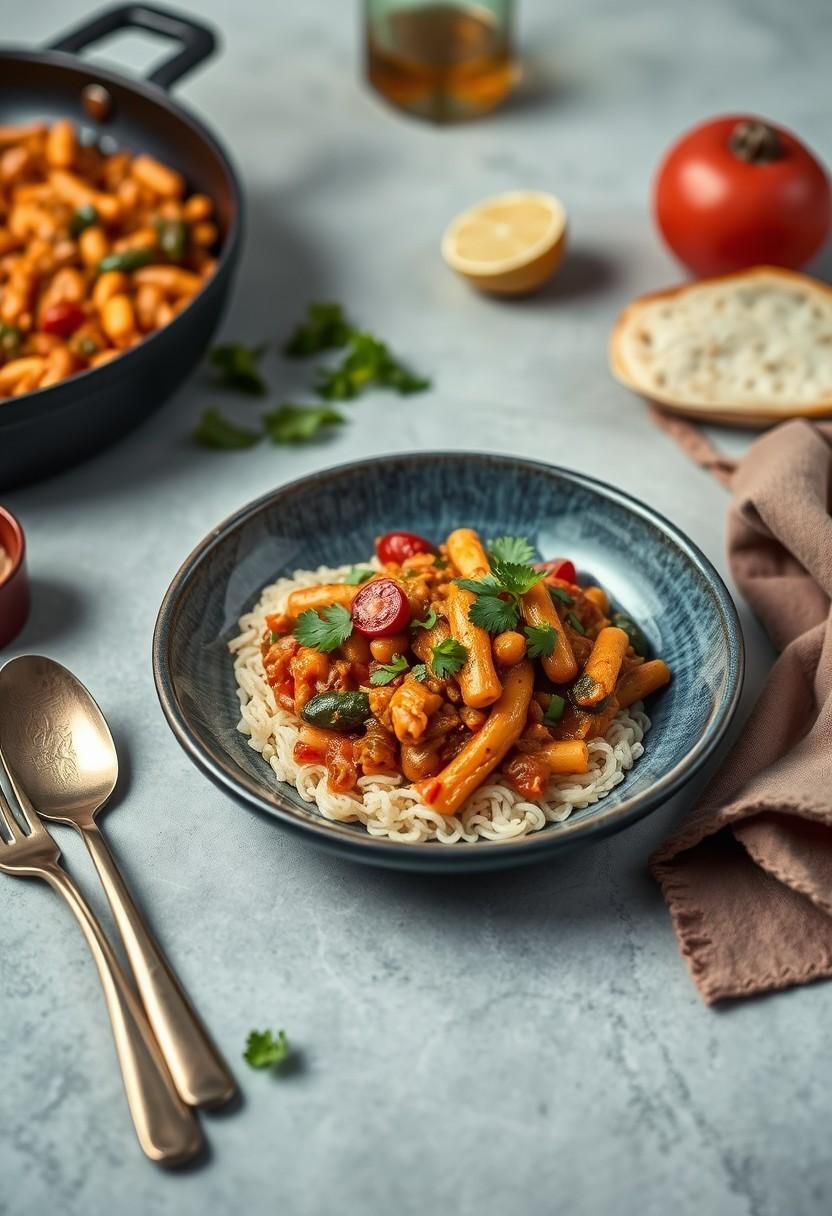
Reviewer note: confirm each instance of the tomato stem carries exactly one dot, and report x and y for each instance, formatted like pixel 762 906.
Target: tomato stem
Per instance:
pixel 755 142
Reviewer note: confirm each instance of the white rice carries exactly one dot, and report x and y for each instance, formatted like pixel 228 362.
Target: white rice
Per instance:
pixel 384 804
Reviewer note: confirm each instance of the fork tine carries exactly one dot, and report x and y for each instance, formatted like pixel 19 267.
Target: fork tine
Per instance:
pixel 7 819
pixel 29 813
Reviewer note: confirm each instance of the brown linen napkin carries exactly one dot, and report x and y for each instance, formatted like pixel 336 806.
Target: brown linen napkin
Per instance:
pixel 748 877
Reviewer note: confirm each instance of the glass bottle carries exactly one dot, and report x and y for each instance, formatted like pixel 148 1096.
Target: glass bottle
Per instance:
pixel 440 59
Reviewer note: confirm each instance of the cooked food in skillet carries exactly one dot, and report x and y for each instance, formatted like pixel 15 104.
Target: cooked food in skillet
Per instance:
pixel 97 250
pixel 445 693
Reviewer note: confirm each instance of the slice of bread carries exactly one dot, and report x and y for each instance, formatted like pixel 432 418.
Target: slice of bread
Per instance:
pixel 748 349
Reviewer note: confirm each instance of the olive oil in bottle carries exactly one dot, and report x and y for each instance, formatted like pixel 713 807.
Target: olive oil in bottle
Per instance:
pixel 441 61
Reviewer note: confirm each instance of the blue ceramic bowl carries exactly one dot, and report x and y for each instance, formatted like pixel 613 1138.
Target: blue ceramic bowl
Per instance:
pixel 649 568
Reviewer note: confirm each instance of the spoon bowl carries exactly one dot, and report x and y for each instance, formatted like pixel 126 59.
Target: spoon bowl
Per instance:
pixel 55 740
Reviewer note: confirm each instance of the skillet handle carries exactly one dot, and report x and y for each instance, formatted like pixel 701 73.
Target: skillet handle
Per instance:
pixel 197 41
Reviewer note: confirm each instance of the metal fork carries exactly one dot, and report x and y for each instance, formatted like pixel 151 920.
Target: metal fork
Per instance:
pixel 166 1128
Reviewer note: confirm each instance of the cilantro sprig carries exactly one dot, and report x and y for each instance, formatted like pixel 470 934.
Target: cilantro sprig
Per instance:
pixel 448 658
pixel 576 623
pixel 497 606
pixel 511 549
pixel 419 672
pixel 299 423
pixel 325 630
pixel 428 623
pixel 324 328
pixel 236 367
pixel 369 361
pixel 265 1050
pixel 540 641
pixel 215 431
pixel 385 673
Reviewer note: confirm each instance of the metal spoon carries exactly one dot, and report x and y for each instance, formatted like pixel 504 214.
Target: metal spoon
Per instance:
pixel 57 749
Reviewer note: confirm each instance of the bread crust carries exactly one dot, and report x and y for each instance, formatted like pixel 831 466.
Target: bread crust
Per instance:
pixel 752 414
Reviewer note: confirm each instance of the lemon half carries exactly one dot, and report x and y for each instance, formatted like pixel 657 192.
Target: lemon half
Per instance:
pixel 510 244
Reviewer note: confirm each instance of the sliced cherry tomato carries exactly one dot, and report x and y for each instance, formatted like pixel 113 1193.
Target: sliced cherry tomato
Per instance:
pixel 380 608
pixel 399 546
pixel 62 318
pixel 559 567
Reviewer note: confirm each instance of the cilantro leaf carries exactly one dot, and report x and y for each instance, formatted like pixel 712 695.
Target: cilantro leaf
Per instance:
pixel 419 672
pixel 387 672
pixel 214 431
pixel 324 328
pixel 236 365
pixel 511 549
pixel 298 423
pixel 264 1050
pixel 429 621
pixel 575 623
pixel 448 658
pixel 558 593
pixel 554 710
pixel 487 585
pixel 358 575
pixel 326 630
pixel 541 641
pixel 494 614
pixel 515 577
pixel 368 362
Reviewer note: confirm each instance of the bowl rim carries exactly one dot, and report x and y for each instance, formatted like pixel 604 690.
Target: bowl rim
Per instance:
pixel 386 852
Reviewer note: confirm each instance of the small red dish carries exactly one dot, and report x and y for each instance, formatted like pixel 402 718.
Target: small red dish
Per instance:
pixel 14 584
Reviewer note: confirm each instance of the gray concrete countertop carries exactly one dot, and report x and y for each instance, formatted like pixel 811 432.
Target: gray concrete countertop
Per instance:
pixel 526 1042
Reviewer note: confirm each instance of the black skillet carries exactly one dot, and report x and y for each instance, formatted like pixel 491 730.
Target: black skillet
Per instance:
pixel 47 430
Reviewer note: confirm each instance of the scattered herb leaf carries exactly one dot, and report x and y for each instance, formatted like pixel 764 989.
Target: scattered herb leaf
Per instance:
pixel 429 621
pixel 554 710
pixel 419 672
pixel 324 328
pixel 215 431
pixel 387 672
pixel 326 630
pixel 236 365
pixel 541 641
pixel 299 423
pixel 448 658
pixel 511 549
pixel 274 636
pixel 558 593
pixel 358 575
pixel 369 361
pixel 265 1050
pixel 575 623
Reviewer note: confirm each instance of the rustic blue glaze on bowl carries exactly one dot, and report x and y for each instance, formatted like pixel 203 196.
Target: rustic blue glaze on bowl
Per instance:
pixel 648 566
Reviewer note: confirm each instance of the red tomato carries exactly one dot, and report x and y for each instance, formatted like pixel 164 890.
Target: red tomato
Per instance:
pixel 399 546
pixel 380 608
pixel 62 318
pixel 559 567
pixel 737 192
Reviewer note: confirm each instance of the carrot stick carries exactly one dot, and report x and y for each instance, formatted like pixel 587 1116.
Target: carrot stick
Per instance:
pixel 465 549
pixel 478 680
pixel 568 756
pixel 641 681
pixel 602 667
pixel 320 597
pixel 447 791
pixel 538 609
